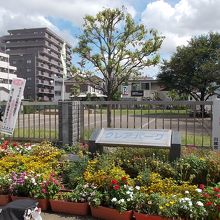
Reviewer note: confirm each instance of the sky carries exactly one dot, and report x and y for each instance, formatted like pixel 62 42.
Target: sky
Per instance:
pixel 177 20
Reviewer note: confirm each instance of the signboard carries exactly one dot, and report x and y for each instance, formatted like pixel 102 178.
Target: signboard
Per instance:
pixel 216 125
pixel 124 90
pixel 137 93
pixel 13 106
pixel 135 137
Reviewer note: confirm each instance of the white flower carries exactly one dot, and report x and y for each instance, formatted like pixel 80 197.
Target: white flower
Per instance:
pixel 199 203
pixel 130 188
pixel 198 190
pixel 25 177
pixel 121 201
pixel 114 200
pixel 186 192
pixel 137 187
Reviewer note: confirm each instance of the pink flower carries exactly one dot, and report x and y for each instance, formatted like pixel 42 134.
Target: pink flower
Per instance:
pixel 44 191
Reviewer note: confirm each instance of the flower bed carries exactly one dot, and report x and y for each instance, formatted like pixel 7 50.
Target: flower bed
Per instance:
pixel 139 181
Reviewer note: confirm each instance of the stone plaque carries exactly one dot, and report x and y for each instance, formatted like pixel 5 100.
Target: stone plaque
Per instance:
pixel 134 137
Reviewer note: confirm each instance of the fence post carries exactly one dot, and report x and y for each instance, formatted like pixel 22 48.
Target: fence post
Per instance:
pixel 76 121
pixel 65 123
pixel 216 124
pixel 81 121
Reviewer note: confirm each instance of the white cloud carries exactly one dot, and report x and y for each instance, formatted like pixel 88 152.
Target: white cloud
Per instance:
pixel 34 13
pixel 180 22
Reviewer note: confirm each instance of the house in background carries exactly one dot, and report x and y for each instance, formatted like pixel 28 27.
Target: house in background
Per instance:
pixel 143 88
pixel 7 73
pixel 80 88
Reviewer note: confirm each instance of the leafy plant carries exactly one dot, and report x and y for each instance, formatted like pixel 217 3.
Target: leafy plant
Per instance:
pixel 5 182
pixel 73 172
pixel 192 168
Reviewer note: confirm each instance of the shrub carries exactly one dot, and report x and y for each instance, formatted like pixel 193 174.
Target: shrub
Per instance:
pixel 73 172
pixel 192 168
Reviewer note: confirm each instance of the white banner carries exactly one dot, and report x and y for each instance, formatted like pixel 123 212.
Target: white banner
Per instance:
pixel 63 60
pixel 13 106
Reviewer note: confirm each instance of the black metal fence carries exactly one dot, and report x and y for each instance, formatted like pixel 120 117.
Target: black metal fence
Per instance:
pixel 192 119
pixel 39 121
pixel 36 121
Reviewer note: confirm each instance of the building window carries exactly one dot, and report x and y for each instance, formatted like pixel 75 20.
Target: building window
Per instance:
pixel 28 61
pixel 145 86
pixel 29 78
pixel 57 93
pixel 14 62
pixel 28 70
pixel 135 86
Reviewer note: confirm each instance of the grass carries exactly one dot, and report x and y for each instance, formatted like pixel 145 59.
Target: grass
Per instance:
pixel 30 133
pixel 197 141
pixel 144 112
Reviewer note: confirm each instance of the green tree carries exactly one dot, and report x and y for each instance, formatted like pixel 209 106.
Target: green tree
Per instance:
pixel 115 47
pixel 194 69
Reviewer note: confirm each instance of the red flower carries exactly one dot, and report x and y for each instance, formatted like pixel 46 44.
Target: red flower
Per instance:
pixel 201 186
pixel 116 187
pixel 218 195
pixel 114 182
pixel 206 195
pixel 208 204
pixel 4 147
pixel 216 189
pixel 14 144
pixel 124 178
pixel 5 142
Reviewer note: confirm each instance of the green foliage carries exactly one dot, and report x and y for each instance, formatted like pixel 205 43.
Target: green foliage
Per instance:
pixel 116 47
pixel 73 172
pixel 192 168
pixel 4 184
pixel 29 109
pixel 134 160
pixel 194 69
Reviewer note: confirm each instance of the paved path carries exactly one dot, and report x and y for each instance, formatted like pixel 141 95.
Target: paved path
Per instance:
pixel 52 216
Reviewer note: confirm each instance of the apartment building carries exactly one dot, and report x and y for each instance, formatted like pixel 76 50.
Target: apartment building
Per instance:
pixel 36 54
pixel 143 88
pixel 7 73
